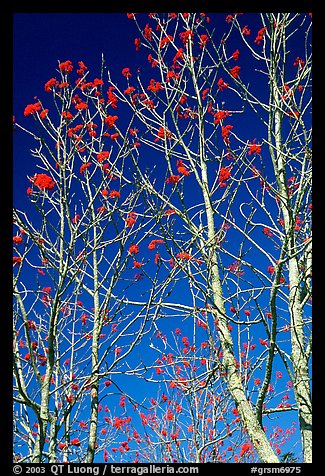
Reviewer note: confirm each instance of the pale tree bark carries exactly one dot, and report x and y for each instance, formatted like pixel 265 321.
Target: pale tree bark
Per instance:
pixel 275 57
pixel 57 330
pixel 299 356
pixel 94 356
pixel 196 250
pixel 249 417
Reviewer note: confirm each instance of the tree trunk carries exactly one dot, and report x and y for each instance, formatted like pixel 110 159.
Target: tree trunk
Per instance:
pixel 300 363
pixel 249 419
pixel 299 357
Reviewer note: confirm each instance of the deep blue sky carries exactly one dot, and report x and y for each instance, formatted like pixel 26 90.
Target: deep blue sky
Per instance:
pixel 41 40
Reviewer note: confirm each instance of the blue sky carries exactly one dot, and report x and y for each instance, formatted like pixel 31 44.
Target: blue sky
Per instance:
pixel 43 39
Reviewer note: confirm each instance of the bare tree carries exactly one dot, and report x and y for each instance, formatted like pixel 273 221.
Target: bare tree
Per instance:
pixel 81 242
pixel 216 234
